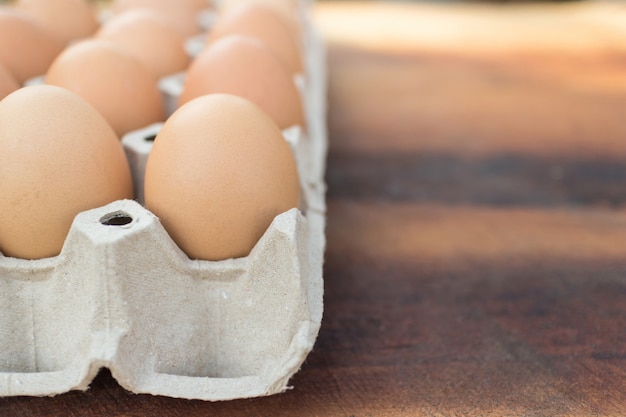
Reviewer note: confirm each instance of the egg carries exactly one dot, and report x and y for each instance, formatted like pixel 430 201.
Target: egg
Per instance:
pixel 115 83
pixel 59 157
pixel 246 67
pixel 181 13
pixel 193 5
pixel 147 36
pixel 8 83
pixel 288 9
pixel 68 19
pixel 218 173
pixel 263 23
pixel 26 47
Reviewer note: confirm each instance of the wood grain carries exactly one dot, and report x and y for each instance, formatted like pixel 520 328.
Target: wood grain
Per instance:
pixel 476 261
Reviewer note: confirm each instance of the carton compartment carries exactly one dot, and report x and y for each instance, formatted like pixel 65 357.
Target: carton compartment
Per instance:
pixel 46 309
pixel 210 319
pixel 37 345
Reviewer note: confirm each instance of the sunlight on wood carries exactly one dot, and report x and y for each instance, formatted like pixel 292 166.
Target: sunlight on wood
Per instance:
pixel 562 27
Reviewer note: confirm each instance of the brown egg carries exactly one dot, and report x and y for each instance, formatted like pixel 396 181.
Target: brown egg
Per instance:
pixel 263 23
pixel 246 67
pixel 26 47
pixel 59 157
pixel 288 9
pixel 115 83
pixel 147 36
pixel 8 83
pixel 68 19
pixel 182 14
pixel 194 5
pixel 219 172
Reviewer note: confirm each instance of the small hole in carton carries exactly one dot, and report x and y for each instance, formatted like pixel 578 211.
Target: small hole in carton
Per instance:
pixel 118 218
pixel 150 138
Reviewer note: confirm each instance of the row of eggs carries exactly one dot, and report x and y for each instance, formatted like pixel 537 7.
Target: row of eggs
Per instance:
pixel 252 51
pixel 219 171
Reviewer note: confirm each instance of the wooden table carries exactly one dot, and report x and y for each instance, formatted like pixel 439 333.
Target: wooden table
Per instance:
pixel 476 261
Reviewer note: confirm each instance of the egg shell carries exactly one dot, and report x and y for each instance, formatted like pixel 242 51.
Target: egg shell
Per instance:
pixel 147 36
pixel 246 67
pixel 59 157
pixel 68 19
pixel 193 5
pixel 26 47
pixel 219 172
pixel 8 83
pixel 288 9
pixel 181 13
pixel 263 23
pixel 123 90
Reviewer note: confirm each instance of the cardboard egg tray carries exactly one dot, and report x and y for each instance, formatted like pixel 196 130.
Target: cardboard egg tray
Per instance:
pixel 122 295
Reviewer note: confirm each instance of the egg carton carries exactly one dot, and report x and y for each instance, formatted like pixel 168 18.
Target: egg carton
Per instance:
pixel 122 295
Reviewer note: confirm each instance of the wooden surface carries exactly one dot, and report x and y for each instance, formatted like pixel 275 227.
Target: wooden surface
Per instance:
pixel 476 261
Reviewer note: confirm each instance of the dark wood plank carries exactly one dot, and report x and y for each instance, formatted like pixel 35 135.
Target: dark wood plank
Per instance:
pixel 476 260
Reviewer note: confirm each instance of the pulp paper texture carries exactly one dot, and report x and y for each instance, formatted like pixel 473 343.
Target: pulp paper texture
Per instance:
pixel 122 295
